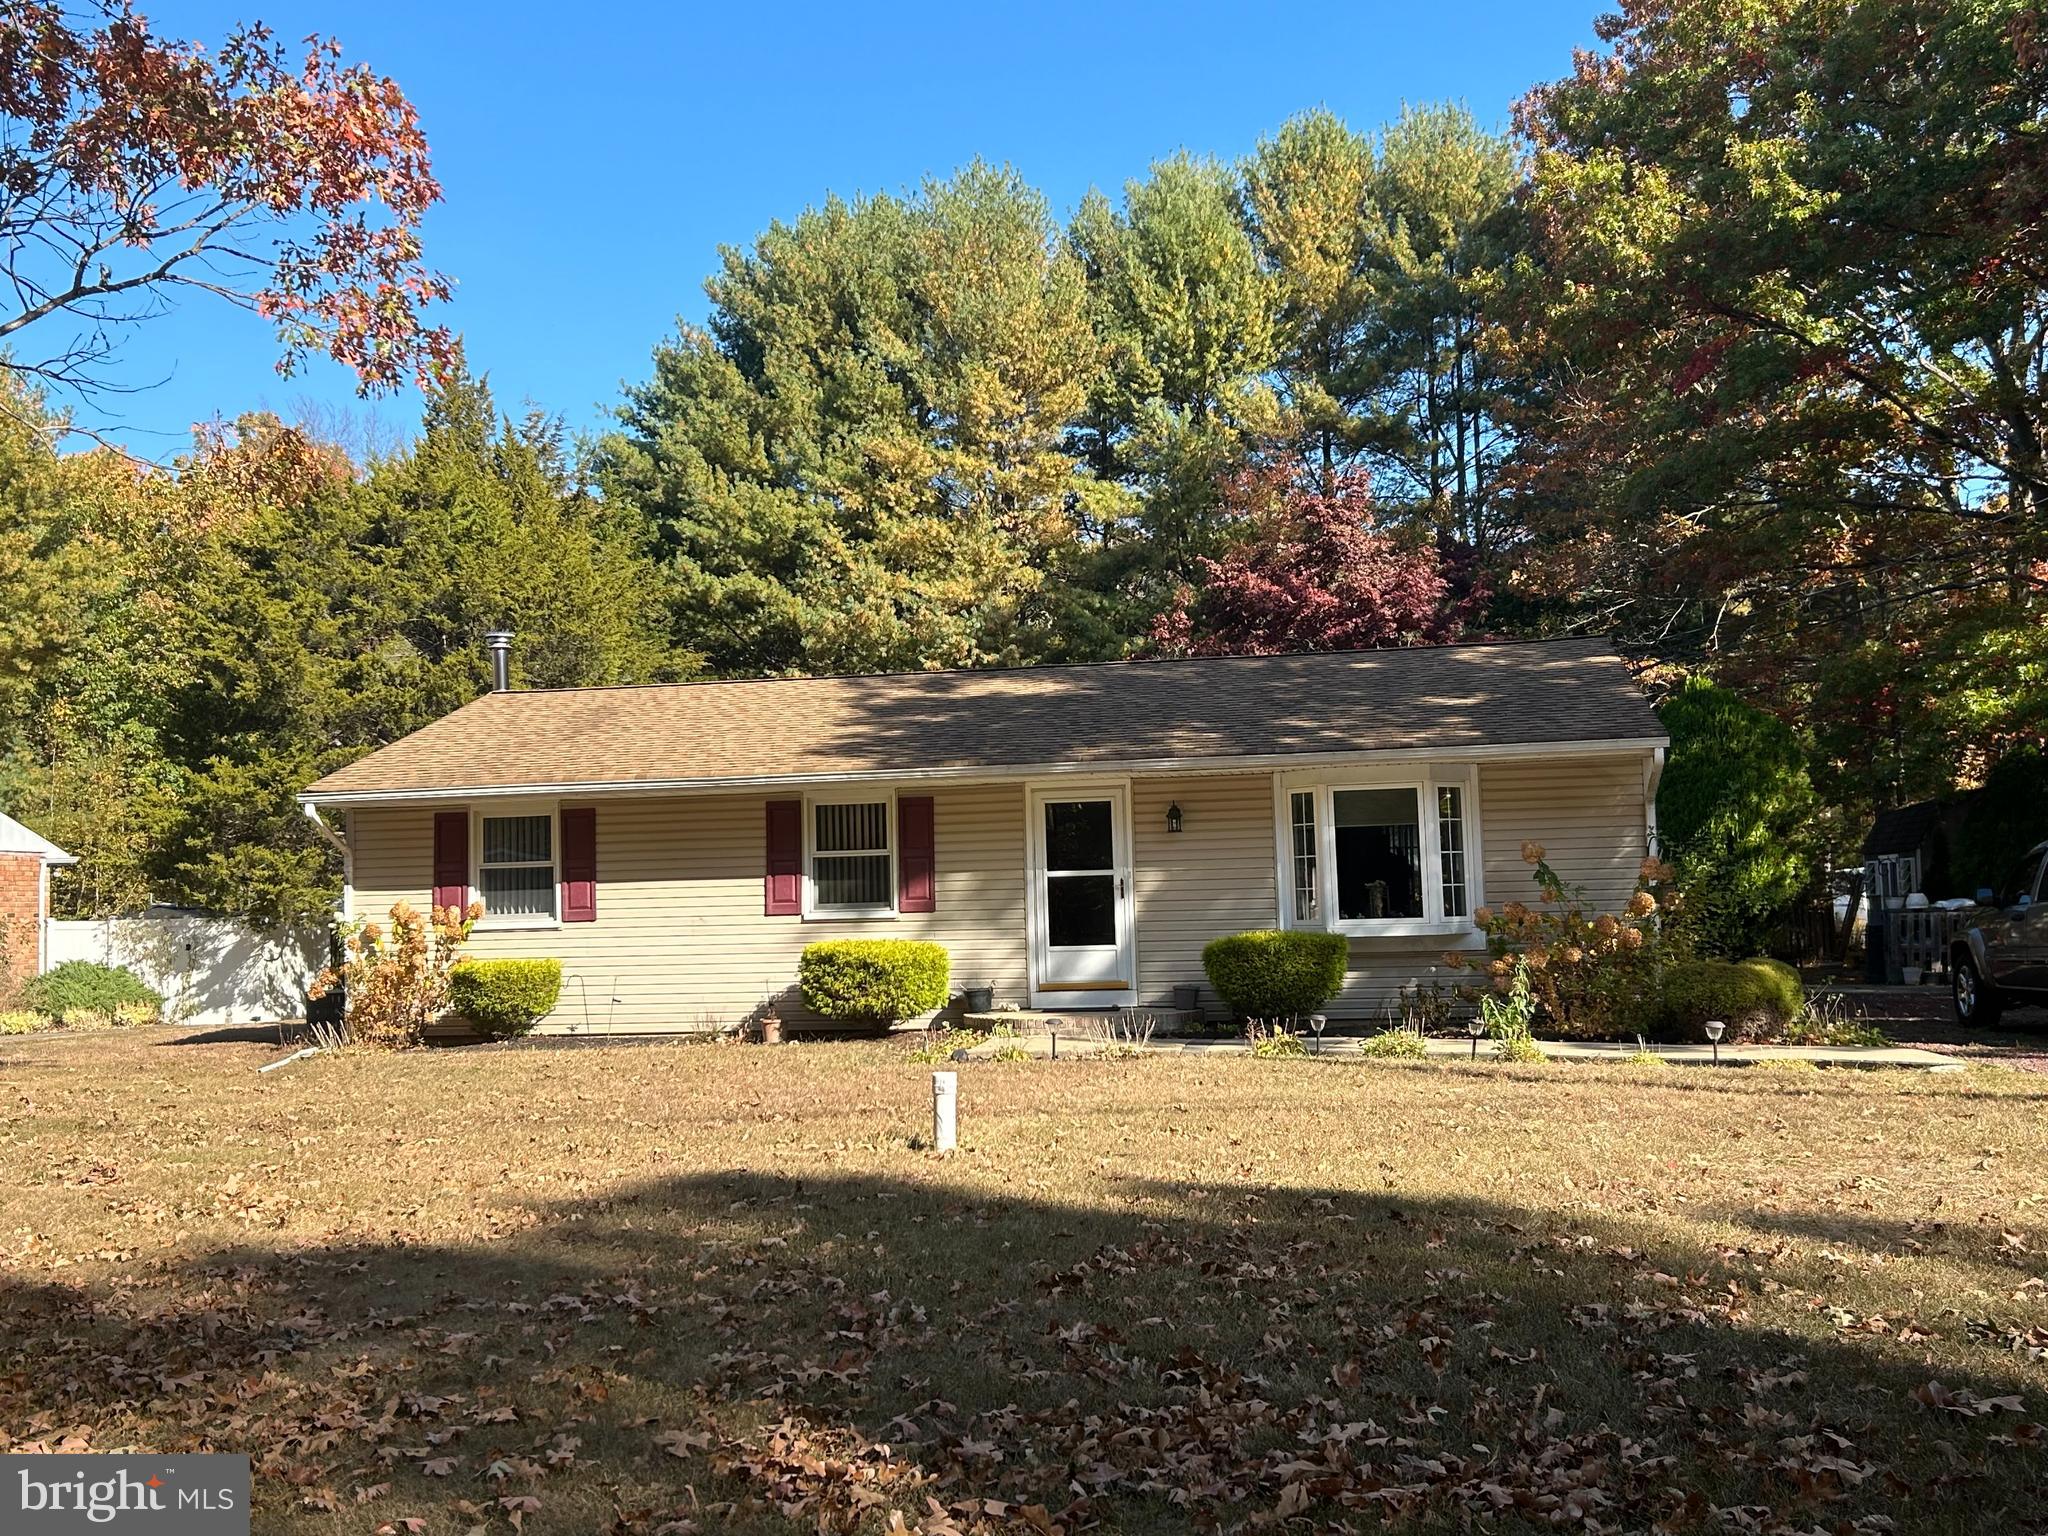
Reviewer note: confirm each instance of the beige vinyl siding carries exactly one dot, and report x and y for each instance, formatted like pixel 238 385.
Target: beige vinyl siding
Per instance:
pixel 681 941
pixel 680 937
pixel 1214 876
pixel 1587 812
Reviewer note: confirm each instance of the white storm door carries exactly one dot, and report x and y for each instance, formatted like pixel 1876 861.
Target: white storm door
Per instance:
pixel 1082 948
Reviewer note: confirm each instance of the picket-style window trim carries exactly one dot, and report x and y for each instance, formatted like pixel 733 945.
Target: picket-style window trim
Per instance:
pixel 819 911
pixel 491 922
pixel 1307 855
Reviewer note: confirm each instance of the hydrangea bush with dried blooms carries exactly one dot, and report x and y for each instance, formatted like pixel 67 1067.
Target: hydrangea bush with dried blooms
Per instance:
pixel 397 977
pixel 1595 974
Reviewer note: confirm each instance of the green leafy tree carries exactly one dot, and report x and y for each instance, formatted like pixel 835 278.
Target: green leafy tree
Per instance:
pixel 1427 366
pixel 2007 816
pixel 90 643
pixel 1190 320
pixel 1791 295
pixel 1309 201
pixel 336 614
pixel 1734 814
pixel 861 463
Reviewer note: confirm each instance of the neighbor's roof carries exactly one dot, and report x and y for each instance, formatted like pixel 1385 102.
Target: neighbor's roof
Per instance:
pixel 1903 828
pixel 1106 716
pixel 15 838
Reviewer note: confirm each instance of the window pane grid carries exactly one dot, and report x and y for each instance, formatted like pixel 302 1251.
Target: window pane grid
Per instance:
pixel 1379 853
pixel 850 865
pixel 518 839
pixel 853 828
pixel 1303 808
pixel 1450 820
pixel 516 874
pixel 852 880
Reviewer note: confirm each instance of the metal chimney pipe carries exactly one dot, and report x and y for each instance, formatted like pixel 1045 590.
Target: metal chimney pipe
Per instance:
pixel 499 643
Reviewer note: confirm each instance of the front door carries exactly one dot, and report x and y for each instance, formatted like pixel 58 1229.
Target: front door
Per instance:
pixel 1082 949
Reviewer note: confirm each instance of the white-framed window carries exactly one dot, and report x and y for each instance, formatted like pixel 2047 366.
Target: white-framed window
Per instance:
pixel 1379 855
pixel 850 856
pixel 1301 852
pixel 518 866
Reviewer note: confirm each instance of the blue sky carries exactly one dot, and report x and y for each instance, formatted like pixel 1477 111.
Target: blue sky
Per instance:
pixel 595 156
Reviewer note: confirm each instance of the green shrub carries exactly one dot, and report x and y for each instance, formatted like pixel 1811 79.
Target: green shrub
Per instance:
pixel 1395 1045
pixel 1279 1043
pixel 1826 1020
pixel 505 997
pixel 1509 1017
pixel 84 987
pixel 874 982
pixel 22 1021
pixel 1734 809
pixel 1756 999
pixel 1270 974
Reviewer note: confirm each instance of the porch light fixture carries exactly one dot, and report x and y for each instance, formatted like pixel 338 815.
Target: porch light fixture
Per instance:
pixel 1715 1030
pixel 1475 1026
pixel 1173 817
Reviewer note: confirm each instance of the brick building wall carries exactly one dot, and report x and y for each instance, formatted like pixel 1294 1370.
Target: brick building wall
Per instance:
pixel 21 911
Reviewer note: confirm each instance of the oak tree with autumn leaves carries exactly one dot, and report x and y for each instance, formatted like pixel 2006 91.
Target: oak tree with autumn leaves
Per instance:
pixel 135 169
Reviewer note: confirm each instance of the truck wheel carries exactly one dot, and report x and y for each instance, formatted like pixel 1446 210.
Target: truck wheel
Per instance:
pixel 1977 1001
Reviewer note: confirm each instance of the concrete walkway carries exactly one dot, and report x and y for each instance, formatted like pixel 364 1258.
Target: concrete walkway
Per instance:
pixel 1896 1056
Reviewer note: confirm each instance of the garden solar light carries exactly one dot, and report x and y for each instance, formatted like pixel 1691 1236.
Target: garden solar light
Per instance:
pixel 1715 1030
pixel 1316 1023
pixel 1475 1026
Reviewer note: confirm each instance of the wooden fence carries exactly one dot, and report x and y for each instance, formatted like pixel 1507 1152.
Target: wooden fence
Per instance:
pixel 1921 936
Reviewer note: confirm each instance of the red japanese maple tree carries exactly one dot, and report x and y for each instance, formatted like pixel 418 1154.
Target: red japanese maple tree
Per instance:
pixel 1313 574
pixel 134 167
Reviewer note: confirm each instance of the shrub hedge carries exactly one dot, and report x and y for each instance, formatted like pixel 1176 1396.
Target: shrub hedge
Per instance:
pixel 83 988
pixel 1271 974
pixel 874 982
pixel 1756 999
pixel 505 997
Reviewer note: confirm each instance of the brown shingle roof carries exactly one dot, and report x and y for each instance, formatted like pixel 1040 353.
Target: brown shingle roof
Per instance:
pixel 1115 714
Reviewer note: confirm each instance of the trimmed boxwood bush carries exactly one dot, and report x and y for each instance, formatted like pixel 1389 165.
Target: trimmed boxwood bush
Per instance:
pixel 505 997
pixel 874 982
pixel 1271 974
pixel 81 988
pixel 1756 999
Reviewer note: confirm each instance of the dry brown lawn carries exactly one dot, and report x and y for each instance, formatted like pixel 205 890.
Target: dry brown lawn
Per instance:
pixel 698 1288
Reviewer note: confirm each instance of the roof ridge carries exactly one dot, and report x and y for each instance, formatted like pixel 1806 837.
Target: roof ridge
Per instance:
pixel 1057 666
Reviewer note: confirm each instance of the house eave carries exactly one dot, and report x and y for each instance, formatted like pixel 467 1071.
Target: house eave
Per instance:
pixel 341 799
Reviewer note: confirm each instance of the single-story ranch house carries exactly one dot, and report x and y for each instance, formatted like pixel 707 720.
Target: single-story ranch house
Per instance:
pixel 1072 834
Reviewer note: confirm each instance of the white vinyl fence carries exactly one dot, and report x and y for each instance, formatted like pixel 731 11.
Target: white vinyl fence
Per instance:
pixel 211 970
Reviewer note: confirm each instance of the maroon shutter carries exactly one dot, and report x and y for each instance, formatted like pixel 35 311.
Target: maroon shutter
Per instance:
pixel 783 887
pixel 916 865
pixel 579 865
pixel 451 858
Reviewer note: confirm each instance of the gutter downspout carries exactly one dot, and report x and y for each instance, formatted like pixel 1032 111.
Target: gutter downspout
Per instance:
pixel 339 844
pixel 1653 775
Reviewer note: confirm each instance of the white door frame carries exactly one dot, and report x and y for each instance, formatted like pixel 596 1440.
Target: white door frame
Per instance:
pixel 1118 792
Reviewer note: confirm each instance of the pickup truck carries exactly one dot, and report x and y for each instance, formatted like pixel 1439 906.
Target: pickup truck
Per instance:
pixel 2001 959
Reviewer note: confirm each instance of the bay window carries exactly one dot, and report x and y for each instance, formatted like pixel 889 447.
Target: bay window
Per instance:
pixel 1379 857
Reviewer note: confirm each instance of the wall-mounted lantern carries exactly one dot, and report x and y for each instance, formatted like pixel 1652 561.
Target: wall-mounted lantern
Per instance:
pixel 1173 817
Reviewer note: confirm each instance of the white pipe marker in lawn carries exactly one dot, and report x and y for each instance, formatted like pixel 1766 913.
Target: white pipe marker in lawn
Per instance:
pixel 945 1110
